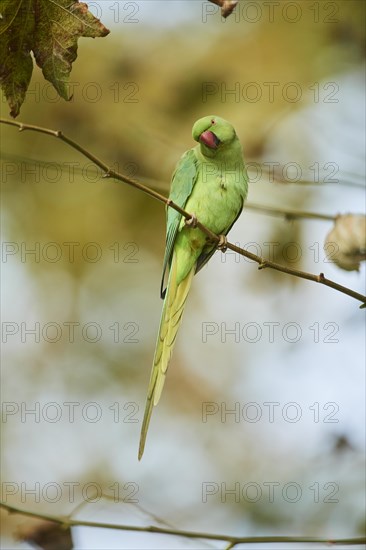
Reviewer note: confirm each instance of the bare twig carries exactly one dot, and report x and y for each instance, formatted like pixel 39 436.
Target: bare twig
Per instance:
pixel 232 541
pixel 263 262
pixel 290 215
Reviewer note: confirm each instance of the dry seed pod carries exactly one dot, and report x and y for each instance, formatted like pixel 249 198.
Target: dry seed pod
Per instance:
pixel 345 244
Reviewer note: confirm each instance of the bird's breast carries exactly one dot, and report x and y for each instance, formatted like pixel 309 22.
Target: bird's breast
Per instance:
pixel 216 202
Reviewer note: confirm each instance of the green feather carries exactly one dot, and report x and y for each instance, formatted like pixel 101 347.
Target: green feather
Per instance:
pixel 211 182
pixel 183 180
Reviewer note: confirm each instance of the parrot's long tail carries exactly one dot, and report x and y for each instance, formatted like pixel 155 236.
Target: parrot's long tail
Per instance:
pixel 171 317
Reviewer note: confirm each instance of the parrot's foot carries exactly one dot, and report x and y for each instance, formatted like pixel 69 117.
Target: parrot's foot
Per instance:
pixel 192 221
pixel 222 244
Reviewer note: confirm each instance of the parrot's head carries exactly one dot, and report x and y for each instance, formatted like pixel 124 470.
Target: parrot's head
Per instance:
pixel 214 134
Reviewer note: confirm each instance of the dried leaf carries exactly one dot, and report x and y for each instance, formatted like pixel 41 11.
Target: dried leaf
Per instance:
pixel 227 6
pixel 16 35
pixel 345 244
pixel 51 30
pixel 47 535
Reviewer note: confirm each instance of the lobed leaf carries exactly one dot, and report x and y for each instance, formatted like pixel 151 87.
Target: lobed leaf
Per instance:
pixel 48 28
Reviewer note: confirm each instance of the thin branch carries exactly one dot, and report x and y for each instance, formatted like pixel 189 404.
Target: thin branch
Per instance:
pixel 108 172
pixel 263 262
pixel 233 541
pixel 277 176
pixel 307 182
pixel 289 215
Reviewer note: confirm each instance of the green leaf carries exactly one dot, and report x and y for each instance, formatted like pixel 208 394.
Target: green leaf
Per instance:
pixel 48 28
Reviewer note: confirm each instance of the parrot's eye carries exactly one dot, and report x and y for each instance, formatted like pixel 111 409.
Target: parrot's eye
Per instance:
pixel 213 121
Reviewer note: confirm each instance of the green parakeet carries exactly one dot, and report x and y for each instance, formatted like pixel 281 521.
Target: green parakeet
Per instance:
pixel 210 182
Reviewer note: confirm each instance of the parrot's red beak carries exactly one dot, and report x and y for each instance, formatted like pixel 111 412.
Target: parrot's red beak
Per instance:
pixel 209 139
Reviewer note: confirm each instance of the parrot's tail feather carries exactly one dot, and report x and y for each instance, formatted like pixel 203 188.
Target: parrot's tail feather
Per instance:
pixel 145 426
pixel 171 317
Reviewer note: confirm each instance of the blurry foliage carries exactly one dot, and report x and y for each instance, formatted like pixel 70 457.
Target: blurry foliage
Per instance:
pixel 147 73
pixel 137 106
pixel 136 112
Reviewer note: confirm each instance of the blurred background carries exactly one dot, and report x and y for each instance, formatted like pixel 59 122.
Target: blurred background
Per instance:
pixel 260 430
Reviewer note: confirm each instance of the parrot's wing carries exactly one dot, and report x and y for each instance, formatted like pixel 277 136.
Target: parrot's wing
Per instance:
pixel 183 181
pixel 206 255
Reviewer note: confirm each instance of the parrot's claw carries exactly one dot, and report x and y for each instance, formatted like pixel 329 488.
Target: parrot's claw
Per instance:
pixel 222 244
pixel 192 221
